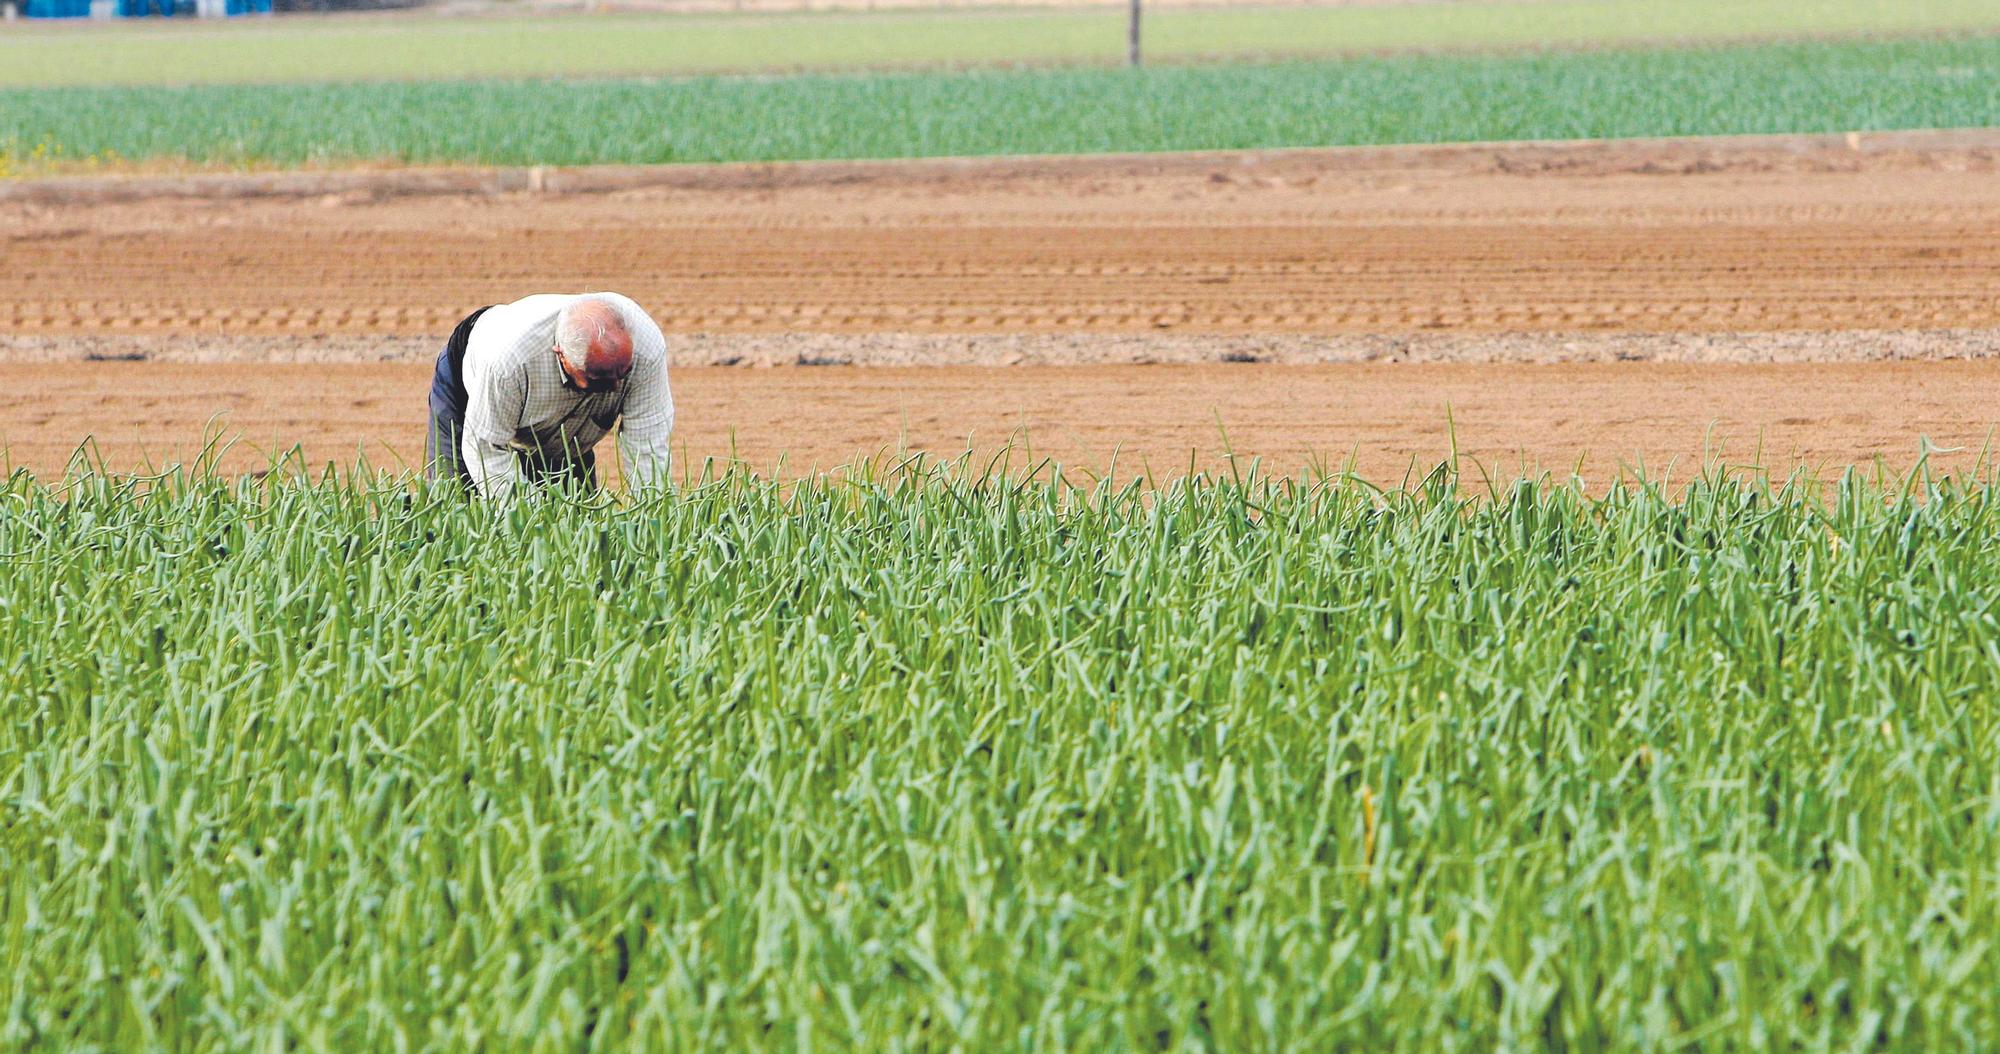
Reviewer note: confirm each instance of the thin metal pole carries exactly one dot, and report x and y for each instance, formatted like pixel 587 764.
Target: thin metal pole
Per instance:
pixel 1132 38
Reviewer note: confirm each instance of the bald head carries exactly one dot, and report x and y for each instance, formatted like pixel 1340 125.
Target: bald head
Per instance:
pixel 591 337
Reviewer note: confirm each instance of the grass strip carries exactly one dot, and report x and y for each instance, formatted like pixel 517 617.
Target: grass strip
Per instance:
pixel 422 47
pixel 927 759
pixel 1744 89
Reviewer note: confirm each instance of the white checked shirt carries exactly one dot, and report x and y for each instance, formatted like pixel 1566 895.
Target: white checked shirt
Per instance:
pixel 516 402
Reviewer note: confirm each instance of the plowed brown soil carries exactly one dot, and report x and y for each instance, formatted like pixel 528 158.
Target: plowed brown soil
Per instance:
pixel 1660 238
pixel 1392 420
pixel 1719 251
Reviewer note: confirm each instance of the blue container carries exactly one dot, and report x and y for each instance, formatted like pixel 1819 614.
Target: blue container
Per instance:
pixel 58 9
pixel 139 8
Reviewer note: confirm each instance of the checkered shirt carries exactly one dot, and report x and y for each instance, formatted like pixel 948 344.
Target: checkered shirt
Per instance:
pixel 517 404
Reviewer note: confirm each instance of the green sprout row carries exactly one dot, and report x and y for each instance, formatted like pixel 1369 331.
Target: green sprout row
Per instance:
pixel 1770 88
pixel 929 757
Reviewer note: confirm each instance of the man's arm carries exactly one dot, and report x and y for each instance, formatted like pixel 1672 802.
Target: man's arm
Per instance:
pixel 648 424
pixel 495 400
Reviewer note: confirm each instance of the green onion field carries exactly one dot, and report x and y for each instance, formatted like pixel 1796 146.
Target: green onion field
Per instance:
pixel 927 759
pixel 1410 99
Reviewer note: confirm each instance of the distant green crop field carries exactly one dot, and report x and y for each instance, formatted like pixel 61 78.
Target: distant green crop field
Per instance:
pixel 1411 99
pixel 930 762
pixel 429 48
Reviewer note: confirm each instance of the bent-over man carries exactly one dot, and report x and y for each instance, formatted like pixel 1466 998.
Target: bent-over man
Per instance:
pixel 524 391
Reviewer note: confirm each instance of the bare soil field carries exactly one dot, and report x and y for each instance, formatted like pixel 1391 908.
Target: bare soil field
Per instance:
pixel 1782 257
pixel 1390 422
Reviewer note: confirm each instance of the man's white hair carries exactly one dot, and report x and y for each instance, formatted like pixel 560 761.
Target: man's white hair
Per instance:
pixel 574 336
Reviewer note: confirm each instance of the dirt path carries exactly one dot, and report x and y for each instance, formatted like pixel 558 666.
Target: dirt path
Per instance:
pixel 1389 418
